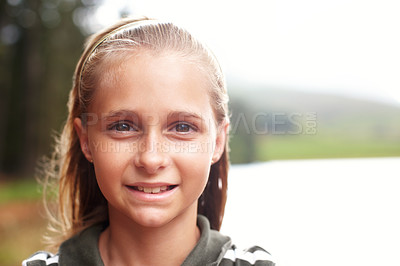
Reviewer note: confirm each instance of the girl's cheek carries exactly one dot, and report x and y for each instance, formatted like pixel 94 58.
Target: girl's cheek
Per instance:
pixel 199 147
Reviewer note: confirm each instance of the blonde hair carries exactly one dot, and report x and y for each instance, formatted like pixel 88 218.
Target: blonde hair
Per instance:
pixel 80 201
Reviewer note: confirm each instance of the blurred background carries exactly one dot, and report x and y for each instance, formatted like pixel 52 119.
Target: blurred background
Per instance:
pixel 311 80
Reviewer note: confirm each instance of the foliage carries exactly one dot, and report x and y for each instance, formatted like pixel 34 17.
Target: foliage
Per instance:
pixel 20 190
pixel 285 124
pixel 39 46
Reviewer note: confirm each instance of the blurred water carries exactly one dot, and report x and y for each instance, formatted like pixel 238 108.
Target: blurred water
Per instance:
pixel 318 212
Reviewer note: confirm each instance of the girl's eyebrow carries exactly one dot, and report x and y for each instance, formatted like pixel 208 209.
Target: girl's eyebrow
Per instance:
pixel 119 113
pixel 185 114
pixel 170 116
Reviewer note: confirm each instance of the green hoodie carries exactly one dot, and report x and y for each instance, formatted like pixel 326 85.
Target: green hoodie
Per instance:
pixel 213 248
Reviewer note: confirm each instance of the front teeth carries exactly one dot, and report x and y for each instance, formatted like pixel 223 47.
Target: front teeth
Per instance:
pixel 153 190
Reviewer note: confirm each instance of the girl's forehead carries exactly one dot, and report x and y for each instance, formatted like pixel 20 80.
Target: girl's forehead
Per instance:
pixel 113 67
pixel 153 82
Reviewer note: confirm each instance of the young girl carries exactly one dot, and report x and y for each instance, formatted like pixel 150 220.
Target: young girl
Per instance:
pixel 142 161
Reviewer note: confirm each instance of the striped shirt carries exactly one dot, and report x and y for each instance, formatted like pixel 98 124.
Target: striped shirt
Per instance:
pixel 212 249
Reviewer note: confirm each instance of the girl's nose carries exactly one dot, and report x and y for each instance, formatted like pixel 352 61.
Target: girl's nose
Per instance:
pixel 151 156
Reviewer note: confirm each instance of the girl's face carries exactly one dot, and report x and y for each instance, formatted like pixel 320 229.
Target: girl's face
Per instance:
pixel 152 136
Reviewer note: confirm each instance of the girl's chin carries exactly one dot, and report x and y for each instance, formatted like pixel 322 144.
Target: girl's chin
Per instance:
pixel 152 218
pixel 158 218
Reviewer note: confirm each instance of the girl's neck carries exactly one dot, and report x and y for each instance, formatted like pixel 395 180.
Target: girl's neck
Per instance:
pixel 127 243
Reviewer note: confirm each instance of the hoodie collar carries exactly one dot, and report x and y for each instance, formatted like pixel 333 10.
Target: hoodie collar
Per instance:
pixel 82 249
pixel 211 247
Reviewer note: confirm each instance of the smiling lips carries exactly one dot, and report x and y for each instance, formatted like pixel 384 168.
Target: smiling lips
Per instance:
pixel 153 190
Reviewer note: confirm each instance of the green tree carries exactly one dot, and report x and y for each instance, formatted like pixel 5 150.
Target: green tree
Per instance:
pixel 40 43
pixel 242 142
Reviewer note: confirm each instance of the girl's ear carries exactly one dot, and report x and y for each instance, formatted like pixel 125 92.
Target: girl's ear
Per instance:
pixel 222 132
pixel 83 138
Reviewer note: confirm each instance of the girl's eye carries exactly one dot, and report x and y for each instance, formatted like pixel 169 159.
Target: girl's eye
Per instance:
pixel 121 126
pixel 183 128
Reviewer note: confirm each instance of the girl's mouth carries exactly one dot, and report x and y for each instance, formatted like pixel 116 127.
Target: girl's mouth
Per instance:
pixel 153 190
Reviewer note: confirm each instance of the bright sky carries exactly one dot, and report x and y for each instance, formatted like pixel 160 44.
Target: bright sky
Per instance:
pixel 349 47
